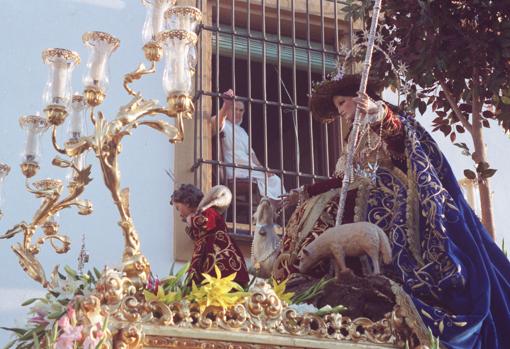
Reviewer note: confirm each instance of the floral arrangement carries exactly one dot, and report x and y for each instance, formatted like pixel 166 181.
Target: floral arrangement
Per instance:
pixel 74 313
pixel 53 322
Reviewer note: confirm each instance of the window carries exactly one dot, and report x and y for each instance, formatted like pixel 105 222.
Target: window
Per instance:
pixel 269 52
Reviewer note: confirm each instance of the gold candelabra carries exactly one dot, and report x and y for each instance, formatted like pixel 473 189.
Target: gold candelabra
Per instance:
pixel 169 32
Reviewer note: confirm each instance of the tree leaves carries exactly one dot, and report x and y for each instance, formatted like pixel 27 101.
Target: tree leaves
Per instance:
pixel 422 107
pixel 446 40
pixel 488 173
pixel 483 171
pixel 469 174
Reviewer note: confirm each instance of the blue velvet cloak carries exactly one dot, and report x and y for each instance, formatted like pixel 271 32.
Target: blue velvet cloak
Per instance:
pixel 457 277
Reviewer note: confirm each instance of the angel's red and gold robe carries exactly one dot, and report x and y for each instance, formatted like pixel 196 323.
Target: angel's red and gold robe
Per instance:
pixel 214 246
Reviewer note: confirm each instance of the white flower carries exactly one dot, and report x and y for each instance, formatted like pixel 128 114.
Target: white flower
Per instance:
pixel 46 307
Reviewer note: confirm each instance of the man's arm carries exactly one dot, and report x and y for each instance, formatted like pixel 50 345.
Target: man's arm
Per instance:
pixel 218 121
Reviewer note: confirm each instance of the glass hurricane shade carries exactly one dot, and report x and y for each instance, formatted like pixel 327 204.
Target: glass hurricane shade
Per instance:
pixel 178 47
pixel 101 45
pixel 61 63
pixel 34 126
pixel 155 18
pixel 185 18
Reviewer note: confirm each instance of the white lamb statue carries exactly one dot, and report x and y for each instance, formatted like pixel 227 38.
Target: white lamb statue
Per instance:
pixel 350 240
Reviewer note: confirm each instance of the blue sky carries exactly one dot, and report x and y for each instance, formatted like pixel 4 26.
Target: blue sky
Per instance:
pixel 30 26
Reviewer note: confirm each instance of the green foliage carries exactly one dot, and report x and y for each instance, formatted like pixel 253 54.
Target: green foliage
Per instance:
pixel 355 9
pixel 311 292
pixel 458 44
pixel 172 288
pixel 177 282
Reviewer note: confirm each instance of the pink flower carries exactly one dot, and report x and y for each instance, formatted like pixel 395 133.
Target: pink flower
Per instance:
pixel 71 314
pixel 152 283
pixel 38 320
pixel 69 335
pixel 94 337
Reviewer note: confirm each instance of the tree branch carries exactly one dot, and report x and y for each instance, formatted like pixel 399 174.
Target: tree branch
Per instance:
pixel 455 107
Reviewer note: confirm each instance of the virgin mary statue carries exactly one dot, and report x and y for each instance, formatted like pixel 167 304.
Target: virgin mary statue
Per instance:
pixel 456 276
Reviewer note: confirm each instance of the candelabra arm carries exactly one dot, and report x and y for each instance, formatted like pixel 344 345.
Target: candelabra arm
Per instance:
pixel 58 249
pixel 175 134
pixel 54 141
pixel 92 118
pixel 18 228
pixel 46 210
pixel 76 188
pixel 137 75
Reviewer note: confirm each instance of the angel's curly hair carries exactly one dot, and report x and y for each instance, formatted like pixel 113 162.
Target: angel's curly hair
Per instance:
pixel 187 194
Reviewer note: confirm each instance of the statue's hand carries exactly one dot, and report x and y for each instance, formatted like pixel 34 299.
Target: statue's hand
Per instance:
pixel 371 111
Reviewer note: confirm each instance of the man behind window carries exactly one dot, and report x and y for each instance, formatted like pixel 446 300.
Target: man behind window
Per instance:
pixel 230 119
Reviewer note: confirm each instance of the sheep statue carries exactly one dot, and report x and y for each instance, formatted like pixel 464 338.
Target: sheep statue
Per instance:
pixel 351 240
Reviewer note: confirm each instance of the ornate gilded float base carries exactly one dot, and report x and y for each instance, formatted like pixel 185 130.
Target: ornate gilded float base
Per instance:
pixel 164 337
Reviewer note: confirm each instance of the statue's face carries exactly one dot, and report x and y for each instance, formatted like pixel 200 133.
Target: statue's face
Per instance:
pixel 184 210
pixel 346 107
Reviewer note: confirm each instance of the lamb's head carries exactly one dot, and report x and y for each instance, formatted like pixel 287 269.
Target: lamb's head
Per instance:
pixel 305 260
pixel 219 196
pixel 264 215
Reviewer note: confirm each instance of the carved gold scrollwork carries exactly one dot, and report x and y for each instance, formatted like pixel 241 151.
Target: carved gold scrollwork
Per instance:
pixel 130 337
pixel 263 312
pixel 50 191
pixel 137 75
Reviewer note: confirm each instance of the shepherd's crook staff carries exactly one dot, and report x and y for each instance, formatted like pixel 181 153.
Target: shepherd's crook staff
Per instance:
pixel 353 138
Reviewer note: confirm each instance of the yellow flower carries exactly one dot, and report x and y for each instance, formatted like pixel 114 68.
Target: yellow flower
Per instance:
pixel 279 289
pixel 217 291
pixel 161 296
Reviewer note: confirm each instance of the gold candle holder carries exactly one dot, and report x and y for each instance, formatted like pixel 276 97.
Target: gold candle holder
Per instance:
pixel 181 104
pixel 56 114
pixel 152 51
pixel 93 97
pixel 29 168
pixel 48 184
